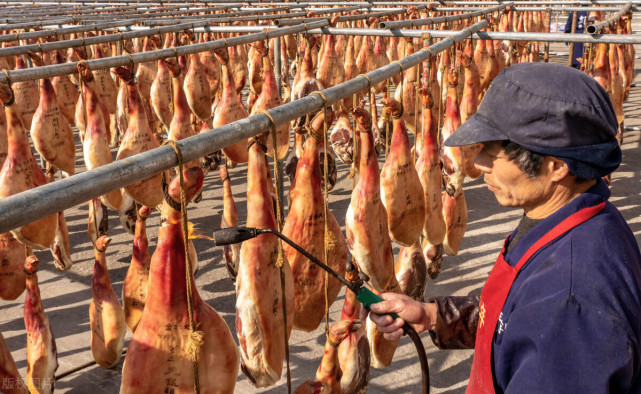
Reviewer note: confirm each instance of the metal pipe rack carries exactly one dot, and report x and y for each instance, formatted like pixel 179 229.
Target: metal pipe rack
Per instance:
pixel 611 21
pixel 66 30
pixel 51 71
pixel 439 19
pixel 28 206
pixel 344 18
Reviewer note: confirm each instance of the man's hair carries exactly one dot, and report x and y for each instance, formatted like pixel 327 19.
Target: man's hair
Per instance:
pixel 529 162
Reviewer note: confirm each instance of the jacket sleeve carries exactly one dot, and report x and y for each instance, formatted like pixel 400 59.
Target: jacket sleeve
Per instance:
pixel 456 322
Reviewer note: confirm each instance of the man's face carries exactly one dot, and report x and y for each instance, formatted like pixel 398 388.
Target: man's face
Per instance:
pixel 511 186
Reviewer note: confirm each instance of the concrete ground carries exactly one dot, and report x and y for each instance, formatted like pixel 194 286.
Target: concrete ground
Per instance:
pixel 66 295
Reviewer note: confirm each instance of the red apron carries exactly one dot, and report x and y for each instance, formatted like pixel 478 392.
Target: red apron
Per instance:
pixel 494 294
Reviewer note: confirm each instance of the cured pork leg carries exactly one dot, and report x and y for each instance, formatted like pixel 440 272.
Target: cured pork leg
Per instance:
pixel 51 133
pixel 95 147
pixel 9 372
pixel 468 107
pixel 138 139
pixel 305 225
pixel 106 317
pixel 42 358
pixel 66 92
pixel 342 138
pixel 428 167
pixel 452 156
pixel 161 344
pixel 328 376
pixel 353 352
pixel 411 271
pixel 433 258
pixel 161 94
pixel 147 71
pixel 230 108
pixel 231 253
pixel 381 349
pixel 455 213
pixel 366 222
pixel 268 99
pixel 196 86
pixel 401 190
pixel 19 173
pixel 12 274
pixel 26 95
pixel 134 287
pixel 61 247
pixel 260 327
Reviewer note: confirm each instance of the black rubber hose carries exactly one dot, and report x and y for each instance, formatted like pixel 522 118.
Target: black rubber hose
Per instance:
pixel 422 356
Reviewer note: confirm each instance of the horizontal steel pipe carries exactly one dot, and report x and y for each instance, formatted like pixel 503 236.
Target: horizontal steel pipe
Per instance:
pixel 439 19
pixel 28 206
pixel 611 21
pixel 67 30
pixel 488 35
pixel 51 71
pixel 6 25
pixel 344 18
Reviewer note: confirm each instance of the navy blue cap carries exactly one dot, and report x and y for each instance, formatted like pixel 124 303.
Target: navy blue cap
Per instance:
pixel 550 109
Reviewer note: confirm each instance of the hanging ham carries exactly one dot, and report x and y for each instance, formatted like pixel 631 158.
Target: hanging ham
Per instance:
pixel 433 258
pixel 452 156
pixel 407 95
pixel 260 327
pixel 42 358
pixel 382 350
pixel 305 225
pixel 469 105
pixel 231 253
pixel 305 81
pixel 353 351
pixel 455 214
pixel 401 190
pixel 138 139
pixel 66 92
pixel 51 133
pixel 196 86
pixel 12 274
pixel 366 222
pixel 211 66
pixel 331 69
pixel 146 72
pixel 61 246
pixel 9 372
pixel 342 138
pixel 95 147
pixel 19 173
pixel 428 167
pixel 27 95
pixel 106 317
pixel 411 271
pixel 105 85
pixel 134 286
pixel 328 375
pixel 230 108
pixel 267 99
pixel 161 94
pixel 161 343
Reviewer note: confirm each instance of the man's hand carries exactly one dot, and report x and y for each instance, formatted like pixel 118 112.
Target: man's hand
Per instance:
pixel 421 316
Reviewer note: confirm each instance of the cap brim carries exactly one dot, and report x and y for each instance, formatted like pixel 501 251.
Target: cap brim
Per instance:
pixel 473 131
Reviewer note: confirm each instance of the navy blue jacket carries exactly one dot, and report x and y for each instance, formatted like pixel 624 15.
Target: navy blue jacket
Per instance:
pixel 572 320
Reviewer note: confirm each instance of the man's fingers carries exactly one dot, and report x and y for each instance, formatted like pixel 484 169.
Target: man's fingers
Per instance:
pixel 381 320
pixel 393 336
pixel 385 307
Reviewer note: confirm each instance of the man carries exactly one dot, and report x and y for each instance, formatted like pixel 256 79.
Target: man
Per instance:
pixel 561 309
pixel 580 25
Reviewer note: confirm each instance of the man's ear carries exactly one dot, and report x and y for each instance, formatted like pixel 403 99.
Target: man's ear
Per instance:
pixel 557 168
